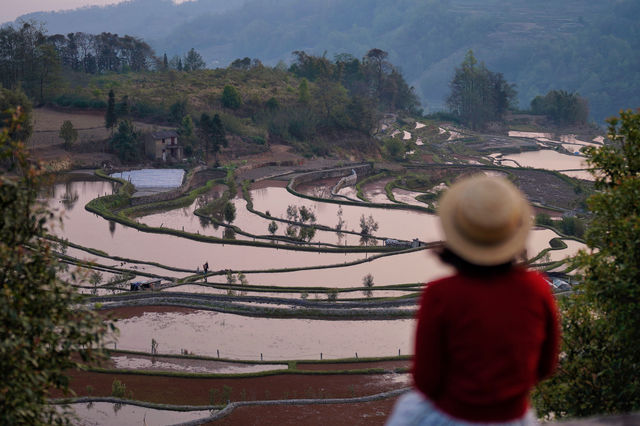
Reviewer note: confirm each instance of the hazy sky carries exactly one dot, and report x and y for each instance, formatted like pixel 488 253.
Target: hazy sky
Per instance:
pixel 11 9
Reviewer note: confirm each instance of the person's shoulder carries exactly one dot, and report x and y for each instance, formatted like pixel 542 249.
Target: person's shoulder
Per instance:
pixel 442 284
pixel 536 279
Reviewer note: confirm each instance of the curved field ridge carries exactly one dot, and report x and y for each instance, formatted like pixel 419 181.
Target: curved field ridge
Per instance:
pixel 232 406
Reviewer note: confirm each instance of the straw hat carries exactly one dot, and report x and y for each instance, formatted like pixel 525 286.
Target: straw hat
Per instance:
pixel 485 220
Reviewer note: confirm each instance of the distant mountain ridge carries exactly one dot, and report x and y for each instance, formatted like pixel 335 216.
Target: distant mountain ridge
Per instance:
pixel 587 47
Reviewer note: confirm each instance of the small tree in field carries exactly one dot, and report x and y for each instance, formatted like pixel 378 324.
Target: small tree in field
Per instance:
pixel 367 282
pixel 600 367
pixel 273 227
pixel 229 212
pixel 68 134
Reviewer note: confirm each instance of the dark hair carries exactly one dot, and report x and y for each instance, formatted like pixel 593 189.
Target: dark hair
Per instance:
pixel 467 268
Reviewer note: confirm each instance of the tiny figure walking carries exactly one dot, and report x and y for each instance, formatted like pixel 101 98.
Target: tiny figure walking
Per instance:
pixel 205 269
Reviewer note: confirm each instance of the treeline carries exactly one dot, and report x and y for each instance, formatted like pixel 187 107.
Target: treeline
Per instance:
pixel 562 107
pixel 34 61
pixel 479 96
pixel 372 78
pixel 31 59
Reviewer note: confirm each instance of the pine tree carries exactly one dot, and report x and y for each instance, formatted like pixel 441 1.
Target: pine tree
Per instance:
pixel 111 118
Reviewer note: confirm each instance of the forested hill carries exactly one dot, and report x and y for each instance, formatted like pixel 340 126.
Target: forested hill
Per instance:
pixel 585 47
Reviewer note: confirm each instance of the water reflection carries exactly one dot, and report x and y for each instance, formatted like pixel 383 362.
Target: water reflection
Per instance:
pixel 552 160
pixel 238 337
pixel 109 414
pixel 70 196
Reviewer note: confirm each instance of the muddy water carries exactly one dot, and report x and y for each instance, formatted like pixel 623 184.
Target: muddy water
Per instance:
pixel 531 135
pixel 159 363
pixel 108 414
pixel 414 267
pixel 375 192
pixel 406 196
pixel 552 160
pixel 245 220
pixel 399 224
pixel 199 289
pixel 90 230
pixel 237 337
pixel 539 240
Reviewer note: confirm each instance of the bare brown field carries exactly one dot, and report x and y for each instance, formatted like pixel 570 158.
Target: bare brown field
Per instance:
pixel 90 126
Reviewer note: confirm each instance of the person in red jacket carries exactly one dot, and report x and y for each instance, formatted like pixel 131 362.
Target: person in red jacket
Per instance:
pixel 487 334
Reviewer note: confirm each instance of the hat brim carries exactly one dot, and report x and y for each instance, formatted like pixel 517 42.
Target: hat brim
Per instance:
pixel 481 254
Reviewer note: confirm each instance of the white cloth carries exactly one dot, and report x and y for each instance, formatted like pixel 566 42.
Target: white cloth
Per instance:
pixel 413 409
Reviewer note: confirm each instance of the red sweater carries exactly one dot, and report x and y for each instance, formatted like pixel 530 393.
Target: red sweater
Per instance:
pixel 483 343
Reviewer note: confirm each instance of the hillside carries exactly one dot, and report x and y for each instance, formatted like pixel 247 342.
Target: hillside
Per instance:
pixel 539 45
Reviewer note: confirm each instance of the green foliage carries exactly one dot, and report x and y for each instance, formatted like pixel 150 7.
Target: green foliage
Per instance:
pixel 273 227
pixel 45 331
pixel 212 133
pixel 193 61
pixel 303 227
pixel 110 118
pixel 303 92
pixel 332 294
pixel 368 226
pixel 126 142
pixel 557 243
pixel 394 148
pixel 543 219
pixel 68 134
pixel 478 95
pixel 600 366
pixel 272 104
pixel 9 101
pixel 367 282
pixel 572 226
pixel 119 390
pixel 231 97
pixel 178 111
pixel 562 107
pixel 229 212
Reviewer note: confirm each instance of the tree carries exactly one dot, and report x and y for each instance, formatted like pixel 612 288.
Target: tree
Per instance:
pixel 600 368
pixel 368 226
pixel 126 142
pixel 9 101
pixel 367 282
pixel 562 107
pixel 68 134
pixel 303 92
pixel 178 110
pixel 478 95
pixel 212 133
pixel 231 97
pixel 123 108
pixel 110 118
pixel 273 227
pixel 229 212
pixel 193 61
pixel 45 330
